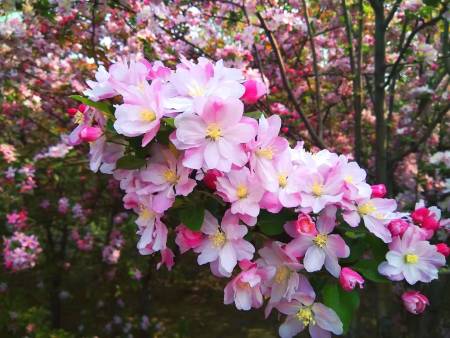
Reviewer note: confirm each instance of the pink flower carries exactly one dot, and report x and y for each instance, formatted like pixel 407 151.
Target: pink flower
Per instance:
pixel 187 239
pixel 245 290
pixel 266 149
pixel 224 245
pixel 317 191
pixel 193 83
pixel 303 225
pixel 283 278
pixel 397 227
pixel 102 87
pixel 378 191
pixel 353 178
pixel 142 111
pixel 90 134
pixel 285 193
pixel 167 259
pixel 320 248
pixel 210 178
pixel 411 258
pixel 376 213
pixel 214 139
pixel 104 155
pixel 414 302
pixel 349 278
pixel 243 190
pixel 443 249
pixel 254 89
pixel 153 238
pixel 168 178
pixel 303 312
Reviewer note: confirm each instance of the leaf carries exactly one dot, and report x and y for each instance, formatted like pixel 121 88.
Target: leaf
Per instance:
pixel 254 114
pixel 378 248
pixel 192 217
pixel 102 106
pixel 369 269
pixel 272 224
pixel 130 162
pixel 343 302
pixel 169 121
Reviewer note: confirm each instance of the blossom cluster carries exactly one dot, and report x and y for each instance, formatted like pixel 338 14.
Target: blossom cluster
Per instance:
pixel 181 136
pixel 21 251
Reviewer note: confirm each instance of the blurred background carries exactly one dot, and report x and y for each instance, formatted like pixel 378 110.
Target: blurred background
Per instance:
pixel 364 78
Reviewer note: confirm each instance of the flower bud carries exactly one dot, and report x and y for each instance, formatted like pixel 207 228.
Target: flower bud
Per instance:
pixel 82 108
pixel 210 178
pixel 397 227
pixel 419 215
pixel 414 301
pixel 305 225
pixel 378 190
pixel 72 111
pixel 348 279
pixel 90 134
pixel 254 89
pixel 430 223
pixel 443 249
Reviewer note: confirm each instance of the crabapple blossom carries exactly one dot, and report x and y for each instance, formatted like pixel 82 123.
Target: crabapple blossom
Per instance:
pixel 241 188
pixel 349 278
pixel 266 149
pixel 414 302
pixel 443 249
pixel 224 245
pixel 320 248
pixel 411 258
pixel 378 190
pixel 187 239
pixel 21 251
pixel 245 290
pixel 376 213
pixel 167 177
pixel 214 138
pixel 397 227
pixel 303 312
pixel 283 278
pixel 254 90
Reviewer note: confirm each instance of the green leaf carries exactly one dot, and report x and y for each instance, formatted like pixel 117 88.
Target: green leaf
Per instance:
pixel 102 106
pixel 272 224
pixel 343 302
pixel 254 114
pixel 192 217
pixel 378 248
pixel 169 121
pixel 130 162
pixel 369 269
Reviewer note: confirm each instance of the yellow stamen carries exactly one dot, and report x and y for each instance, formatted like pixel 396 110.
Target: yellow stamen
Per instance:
pixel 148 115
pixel 78 117
pixel 282 274
pixel 411 258
pixel 170 176
pixel 320 240
pixel 146 214
pixel 317 189
pixel 366 208
pixel 141 86
pixel 218 239
pixel 282 181
pixel 242 191
pixel 305 316
pixel 348 179
pixel 213 132
pixel 266 153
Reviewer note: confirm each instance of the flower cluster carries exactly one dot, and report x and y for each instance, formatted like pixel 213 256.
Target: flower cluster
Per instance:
pixel 181 139
pixel 21 251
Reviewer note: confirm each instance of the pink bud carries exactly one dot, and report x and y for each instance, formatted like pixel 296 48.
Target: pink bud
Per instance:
pixel 430 223
pixel 187 239
pixel 414 301
pixel 82 108
pixel 419 215
pixel 210 178
pixel 443 249
pixel 254 89
pixel 348 279
pixel 72 111
pixel 305 225
pixel 378 190
pixel 397 227
pixel 90 134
